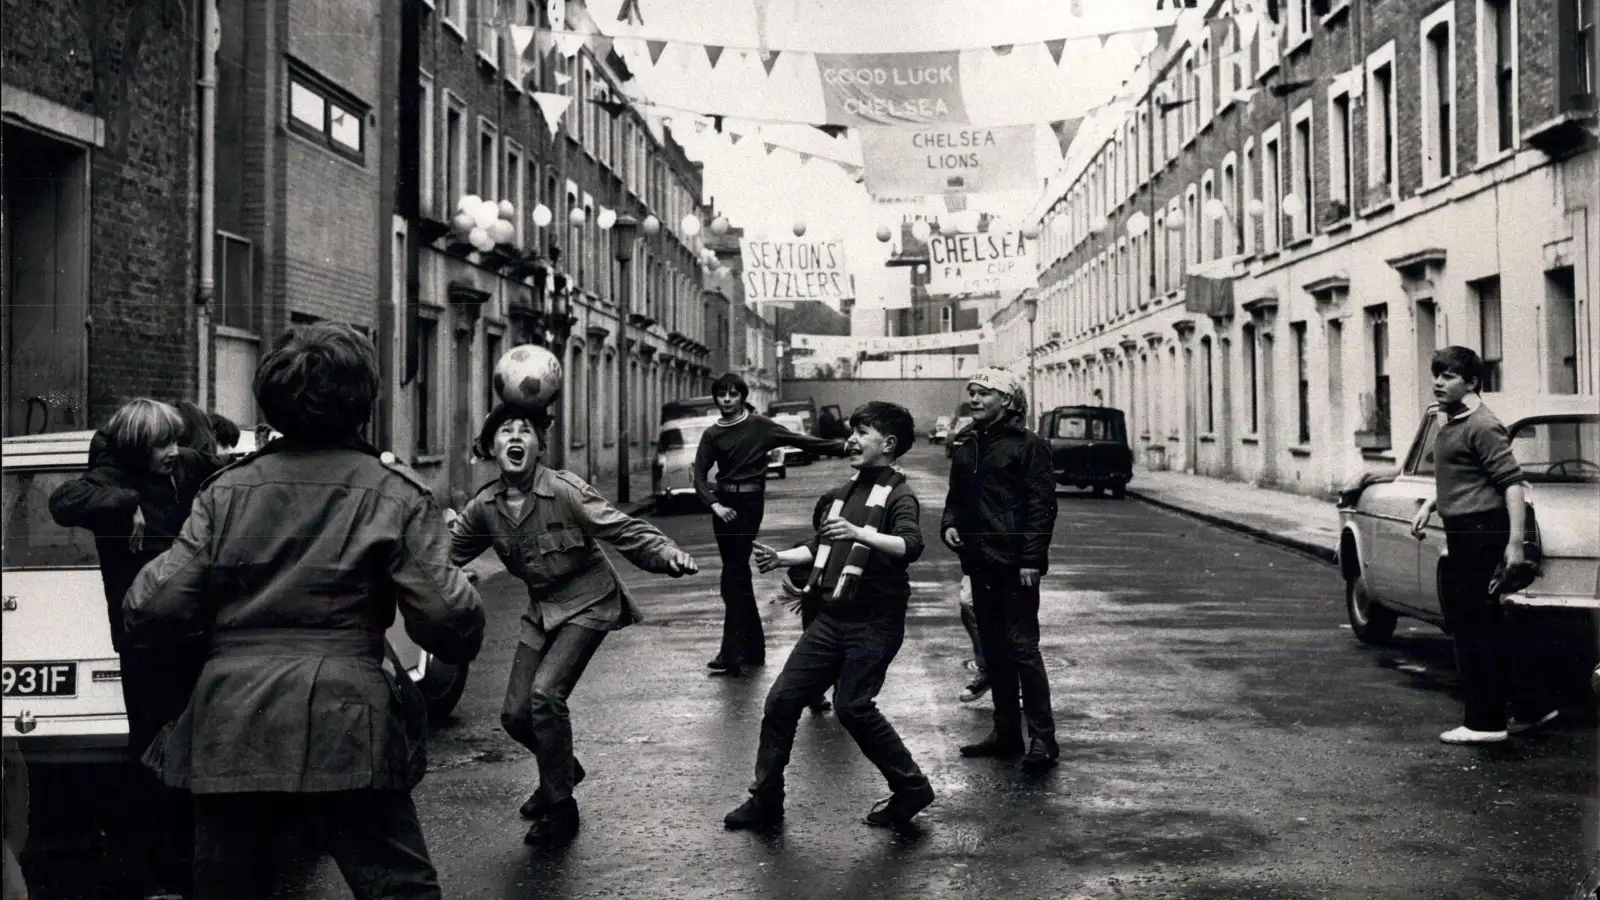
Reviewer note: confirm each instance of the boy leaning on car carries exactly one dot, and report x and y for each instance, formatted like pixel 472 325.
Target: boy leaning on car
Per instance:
pixel 1481 501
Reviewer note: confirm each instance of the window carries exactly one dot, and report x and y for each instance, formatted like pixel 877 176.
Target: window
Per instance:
pixel 1490 345
pixel 1251 380
pixel 33 539
pixel 1248 176
pixel 1303 185
pixel 1378 414
pixel 946 319
pixel 325 114
pixel 1339 154
pixel 1191 230
pixel 1210 229
pixel 1497 75
pixel 1380 126
pixel 1230 222
pixel 1583 50
pixel 235 278
pixel 491 356
pixel 511 186
pixel 426 186
pixel 1558 450
pixel 1302 384
pixel 1420 462
pixel 1271 191
pixel 452 12
pixel 490 18
pixel 425 385
pixel 1210 385
pixel 1561 321
pixel 1438 89
pixel 455 151
pixel 488 160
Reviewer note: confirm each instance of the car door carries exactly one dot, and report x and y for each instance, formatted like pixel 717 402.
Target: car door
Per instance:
pixel 1392 558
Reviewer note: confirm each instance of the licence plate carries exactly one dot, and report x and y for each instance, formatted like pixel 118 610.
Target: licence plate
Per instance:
pixel 43 679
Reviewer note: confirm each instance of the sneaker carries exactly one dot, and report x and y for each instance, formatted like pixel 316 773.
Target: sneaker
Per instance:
pixel 993 746
pixel 558 825
pixel 899 807
pixel 975 688
pixel 717 663
pixel 757 812
pixel 1520 727
pixel 1042 754
pixel 1465 735
pixel 535 805
pixel 972 666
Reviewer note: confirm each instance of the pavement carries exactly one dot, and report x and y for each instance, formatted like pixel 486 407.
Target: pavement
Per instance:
pixel 1299 522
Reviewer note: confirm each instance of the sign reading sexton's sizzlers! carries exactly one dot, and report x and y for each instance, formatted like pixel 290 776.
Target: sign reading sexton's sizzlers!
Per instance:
pixel 794 270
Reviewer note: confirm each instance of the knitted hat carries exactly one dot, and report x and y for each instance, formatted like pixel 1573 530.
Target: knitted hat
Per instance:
pixel 1001 381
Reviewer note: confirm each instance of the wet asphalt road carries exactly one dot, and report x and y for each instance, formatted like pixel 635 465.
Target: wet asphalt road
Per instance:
pixel 1222 736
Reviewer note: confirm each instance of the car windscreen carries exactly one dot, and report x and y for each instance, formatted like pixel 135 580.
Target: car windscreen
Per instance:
pixel 1087 428
pixel 32 539
pixel 679 438
pixel 1558 449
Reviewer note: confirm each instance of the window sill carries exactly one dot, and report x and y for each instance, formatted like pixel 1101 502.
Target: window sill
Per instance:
pixel 608 444
pixel 488 61
pixel 1299 242
pixel 1207 438
pixel 1300 450
pixel 1271 67
pixel 1334 14
pixel 1173 439
pixel 1498 157
pixel 1250 439
pixel 1435 185
pixel 1343 224
pixel 1303 42
pixel 1378 455
pixel 1269 256
pixel 1382 206
pixel 455 29
pixel 428 460
pixel 238 334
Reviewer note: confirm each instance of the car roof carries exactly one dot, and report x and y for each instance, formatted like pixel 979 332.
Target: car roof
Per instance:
pixel 71 448
pixel 684 421
pixel 1515 407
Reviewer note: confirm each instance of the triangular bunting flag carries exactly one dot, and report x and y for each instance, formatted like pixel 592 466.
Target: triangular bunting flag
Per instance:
pixel 630 11
pixel 655 47
pixel 551 106
pixel 601 45
pixel 1065 130
pixel 563 79
pixel 713 53
pixel 734 138
pixel 805 158
pixel 833 131
pixel 699 127
pixel 1055 48
pixel 769 58
pixel 769 147
pixel 1164 35
pixel 1103 38
pixel 569 44
pixel 522 37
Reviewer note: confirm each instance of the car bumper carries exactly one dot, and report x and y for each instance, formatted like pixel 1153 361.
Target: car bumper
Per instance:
pixel 1552 602
pixel 72 739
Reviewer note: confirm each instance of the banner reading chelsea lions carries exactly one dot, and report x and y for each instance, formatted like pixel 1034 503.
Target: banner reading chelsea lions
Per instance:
pixel 973 263
pixel 907 162
pixel 892 88
pixel 794 270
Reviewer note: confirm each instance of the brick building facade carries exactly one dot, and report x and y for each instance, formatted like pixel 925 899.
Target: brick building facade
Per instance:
pixel 100 203
pixel 1260 280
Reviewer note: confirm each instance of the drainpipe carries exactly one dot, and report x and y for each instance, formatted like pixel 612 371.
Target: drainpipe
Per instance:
pixel 211 28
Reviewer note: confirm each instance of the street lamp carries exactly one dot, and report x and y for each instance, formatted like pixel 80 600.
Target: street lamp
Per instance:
pixel 1030 305
pixel 622 236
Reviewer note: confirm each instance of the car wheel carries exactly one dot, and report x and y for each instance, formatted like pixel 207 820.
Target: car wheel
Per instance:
pixel 1097 490
pixel 1372 622
pixel 1119 490
pixel 442 685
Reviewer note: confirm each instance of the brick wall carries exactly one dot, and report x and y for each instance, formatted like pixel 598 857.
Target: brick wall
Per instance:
pixel 130 63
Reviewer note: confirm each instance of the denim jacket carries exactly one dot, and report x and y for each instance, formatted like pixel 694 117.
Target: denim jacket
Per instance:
pixel 552 547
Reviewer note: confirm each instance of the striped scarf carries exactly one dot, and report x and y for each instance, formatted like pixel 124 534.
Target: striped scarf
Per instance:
pixel 848 573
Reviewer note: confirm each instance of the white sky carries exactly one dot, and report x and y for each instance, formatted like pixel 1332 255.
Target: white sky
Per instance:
pixel 766 194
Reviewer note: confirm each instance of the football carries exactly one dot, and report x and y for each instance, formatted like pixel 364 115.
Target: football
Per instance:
pixel 528 375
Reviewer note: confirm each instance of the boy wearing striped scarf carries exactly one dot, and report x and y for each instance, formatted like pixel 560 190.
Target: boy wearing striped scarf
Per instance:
pixel 859 590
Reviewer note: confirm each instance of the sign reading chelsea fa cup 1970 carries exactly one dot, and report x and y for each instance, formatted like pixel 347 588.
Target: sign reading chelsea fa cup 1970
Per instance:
pixel 974 263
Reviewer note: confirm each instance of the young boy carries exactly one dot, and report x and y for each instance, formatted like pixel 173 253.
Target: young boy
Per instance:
pixel 543 523
pixel 859 584
pixel 1480 498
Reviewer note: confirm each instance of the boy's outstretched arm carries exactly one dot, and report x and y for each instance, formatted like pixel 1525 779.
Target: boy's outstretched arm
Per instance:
pixel 642 543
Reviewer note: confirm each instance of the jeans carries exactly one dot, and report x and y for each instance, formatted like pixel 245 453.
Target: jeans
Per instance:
pixel 535 711
pixel 1497 660
pixel 854 656
pixel 157 821
pixel 743 640
pixel 1008 624
pixel 374 836
pixel 969 621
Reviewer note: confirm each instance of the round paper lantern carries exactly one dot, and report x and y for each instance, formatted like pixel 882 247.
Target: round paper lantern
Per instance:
pixel 799 229
pixel 1256 209
pixel 724 271
pixel 1031 230
pixel 719 225
pixel 606 219
pixel 528 375
pixel 463 223
pixel 542 215
pixel 508 210
pixel 1138 224
pixel 1214 209
pixel 480 240
pixel 1292 207
pixel 920 230
pixel 1177 220
pixel 651 225
pixel 577 216
pixel 884 234
pixel 487 213
pixel 690 226
pixel 503 232
pixel 1099 225
pixel 469 204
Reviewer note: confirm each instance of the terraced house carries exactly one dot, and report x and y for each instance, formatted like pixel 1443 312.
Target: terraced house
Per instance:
pixel 1257 250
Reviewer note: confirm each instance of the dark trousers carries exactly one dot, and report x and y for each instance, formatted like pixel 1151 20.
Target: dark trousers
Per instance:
pixel 535 711
pixel 969 621
pixel 852 656
pixel 157 821
pixel 744 642
pixel 1008 627
pixel 241 848
pixel 1497 657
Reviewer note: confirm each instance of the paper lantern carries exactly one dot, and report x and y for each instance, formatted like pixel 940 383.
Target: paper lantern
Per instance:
pixel 719 225
pixel 1099 225
pixel 724 271
pixel 463 223
pixel 1138 224
pixel 469 204
pixel 1292 207
pixel 1031 230
pixel 651 225
pixel 508 210
pixel 542 215
pixel 577 216
pixel 606 219
pixel 1177 220
pixel 1256 209
pixel 799 229
pixel 690 226
pixel 1214 209
pixel 920 230
pixel 480 240
pixel 487 213
pixel 884 234
pixel 502 232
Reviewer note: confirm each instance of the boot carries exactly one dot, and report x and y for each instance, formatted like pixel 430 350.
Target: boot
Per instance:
pixel 900 807
pixel 993 746
pixel 534 805
pixel 558 825
pixel 1042 754
pixel 757 812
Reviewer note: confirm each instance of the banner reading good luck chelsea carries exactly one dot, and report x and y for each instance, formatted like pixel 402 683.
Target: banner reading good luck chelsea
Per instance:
pixel 973 263
pixel 906 162
pixel 794 270
pixel 892 88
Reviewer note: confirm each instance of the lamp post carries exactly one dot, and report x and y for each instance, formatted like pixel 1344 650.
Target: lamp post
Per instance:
pixel 622 236
pixel 1031 306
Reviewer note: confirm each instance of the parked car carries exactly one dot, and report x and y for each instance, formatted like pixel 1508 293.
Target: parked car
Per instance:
pixel 793 456
pixel 60 678
pixel 940 432
pixel 1388 573
pixel 1089 447
pixel 960 431
pixel 672 471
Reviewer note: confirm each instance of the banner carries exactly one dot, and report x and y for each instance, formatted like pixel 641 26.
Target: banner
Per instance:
pixel 974 263
pixel 909 162
pixel 843 346
pixel 794 270
pixel 892 88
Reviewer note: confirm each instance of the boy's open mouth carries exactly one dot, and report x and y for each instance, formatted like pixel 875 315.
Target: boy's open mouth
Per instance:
pixel 516 453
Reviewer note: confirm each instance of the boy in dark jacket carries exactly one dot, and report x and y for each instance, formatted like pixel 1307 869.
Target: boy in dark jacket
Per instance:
pixel 999 517
pixel 870 537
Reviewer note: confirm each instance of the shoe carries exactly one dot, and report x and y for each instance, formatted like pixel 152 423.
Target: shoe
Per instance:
pixel 1465 735
pixel 726 671
pixel 534 805
pixel 559 824
pixel 757 812
pixel 900 807
pixel 1519 727
pixel 975 688
pixel 717 663
pixel 992 746
pixel 1042 754
pixel 972 666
